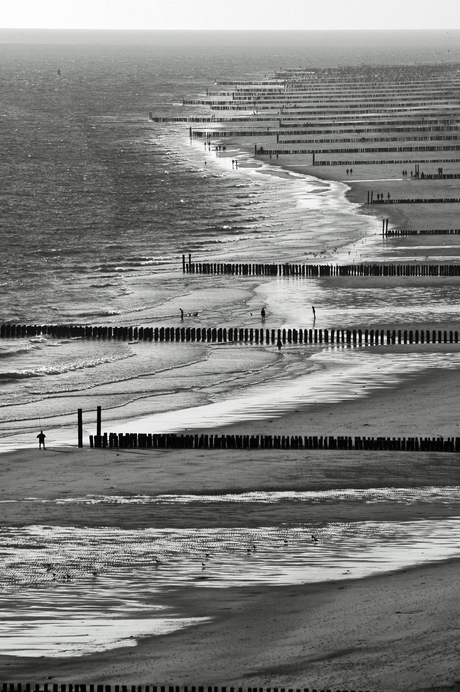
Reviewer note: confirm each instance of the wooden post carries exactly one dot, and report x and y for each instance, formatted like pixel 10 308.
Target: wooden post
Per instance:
pixel 98 421
pixel 80 427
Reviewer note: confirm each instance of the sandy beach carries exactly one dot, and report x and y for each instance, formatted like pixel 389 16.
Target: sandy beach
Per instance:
pixel 396 631
pixel 392 633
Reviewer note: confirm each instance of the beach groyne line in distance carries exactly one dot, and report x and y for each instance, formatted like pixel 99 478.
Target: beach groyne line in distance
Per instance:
pixel 319 270
pixel 417 200
pixel 432 231
pixel 376 162
pixel 240 335
pixel 330 102
pixel 293 442
pixel 82 687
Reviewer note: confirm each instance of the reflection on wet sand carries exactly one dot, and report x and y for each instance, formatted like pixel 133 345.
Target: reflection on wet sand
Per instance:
pixel 406 496
pixel 335 375
pixel 68 591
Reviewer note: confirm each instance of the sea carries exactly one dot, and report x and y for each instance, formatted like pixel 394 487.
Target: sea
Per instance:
pixel 97 206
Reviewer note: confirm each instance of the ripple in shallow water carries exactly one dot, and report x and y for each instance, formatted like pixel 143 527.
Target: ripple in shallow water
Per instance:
pixel 73 590
pixel 405 496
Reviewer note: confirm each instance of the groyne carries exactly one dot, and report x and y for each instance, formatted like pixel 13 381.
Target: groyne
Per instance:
pixel 83 687
pixel 417 200
pixel 320 270
pixel 384 110
pixel 432 231
pixel 241 335
pixel 295 442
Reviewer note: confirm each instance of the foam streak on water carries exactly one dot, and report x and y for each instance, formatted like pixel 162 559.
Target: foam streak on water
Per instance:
pixel 406 496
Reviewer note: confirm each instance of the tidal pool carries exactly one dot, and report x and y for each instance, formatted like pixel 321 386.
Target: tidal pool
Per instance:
pixel 68 591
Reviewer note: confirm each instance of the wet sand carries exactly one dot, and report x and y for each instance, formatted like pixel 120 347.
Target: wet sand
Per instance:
pixel 393 632
pixel 397 631
pixel 387 178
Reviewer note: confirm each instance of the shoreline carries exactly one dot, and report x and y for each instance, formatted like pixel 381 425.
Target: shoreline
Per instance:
pixel 296 636
pixel 350 195
pixel 401 626
pixel 396 631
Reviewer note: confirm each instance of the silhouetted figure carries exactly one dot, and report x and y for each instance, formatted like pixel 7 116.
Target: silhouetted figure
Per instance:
pixel 181 313
pixel 262 313
pixel 41 439
pixel 279 344
pixel 314 312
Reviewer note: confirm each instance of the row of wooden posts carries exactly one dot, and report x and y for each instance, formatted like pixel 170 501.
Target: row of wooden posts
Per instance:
pixel 295 442
pixel 242 335
pixel 418 200
pixel 377 162
pixel 424 231
pixel 81 687
pixel 320 270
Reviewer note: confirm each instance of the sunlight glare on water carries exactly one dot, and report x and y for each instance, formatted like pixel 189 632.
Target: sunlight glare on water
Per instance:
pixel 111 577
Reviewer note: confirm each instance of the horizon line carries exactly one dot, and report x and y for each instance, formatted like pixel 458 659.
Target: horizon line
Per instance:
pixel 395 29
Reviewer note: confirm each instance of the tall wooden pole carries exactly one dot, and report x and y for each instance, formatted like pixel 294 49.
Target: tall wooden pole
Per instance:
pixel 80 427
pixel 98 421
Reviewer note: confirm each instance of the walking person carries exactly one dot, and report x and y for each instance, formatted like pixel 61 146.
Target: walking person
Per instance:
pixel 41 439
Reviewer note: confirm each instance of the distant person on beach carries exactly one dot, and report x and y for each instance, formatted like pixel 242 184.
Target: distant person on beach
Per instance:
pixel 181 313
pixel 279 344
pixel 314 312
pixel 262 313
pixel 41 439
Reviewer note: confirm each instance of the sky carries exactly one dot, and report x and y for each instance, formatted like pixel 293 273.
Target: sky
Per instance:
pixel 229 14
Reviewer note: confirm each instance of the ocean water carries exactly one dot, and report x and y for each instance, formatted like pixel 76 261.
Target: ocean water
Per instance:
pixel 98 204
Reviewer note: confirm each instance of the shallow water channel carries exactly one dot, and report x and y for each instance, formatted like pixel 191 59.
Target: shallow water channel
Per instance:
pixel 67 591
